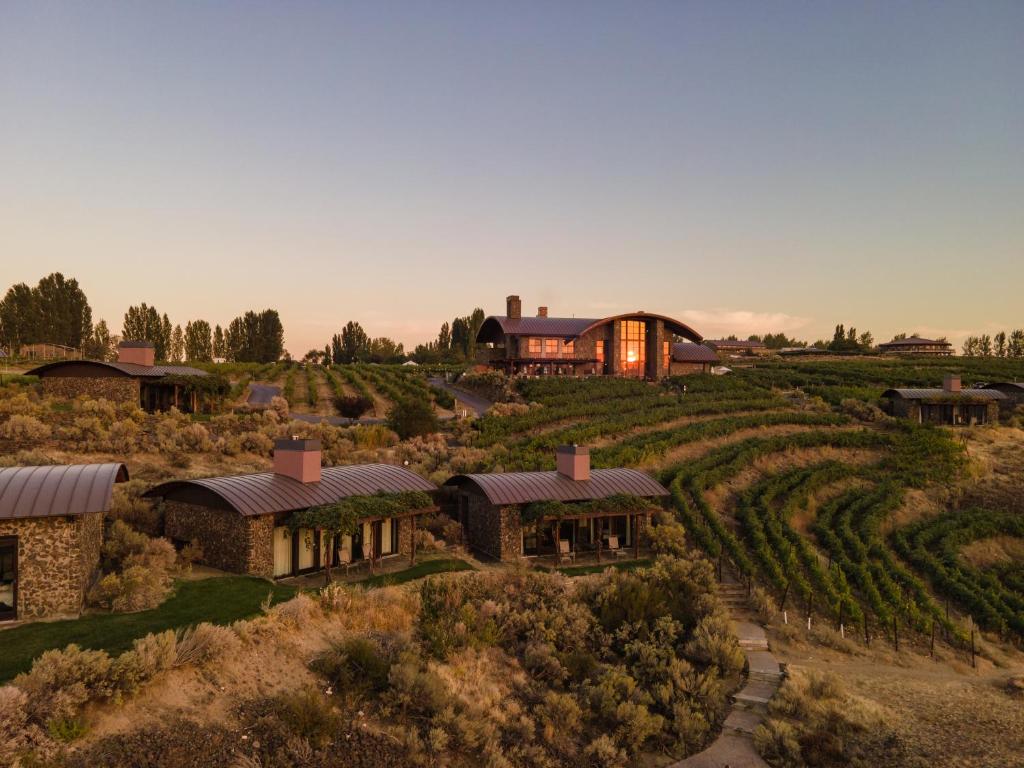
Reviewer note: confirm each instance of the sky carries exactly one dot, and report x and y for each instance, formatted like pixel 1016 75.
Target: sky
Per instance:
pixel 743 166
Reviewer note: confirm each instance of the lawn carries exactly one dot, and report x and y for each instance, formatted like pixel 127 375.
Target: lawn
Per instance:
pixel 418 571
pixel 583 570
pixel 219 600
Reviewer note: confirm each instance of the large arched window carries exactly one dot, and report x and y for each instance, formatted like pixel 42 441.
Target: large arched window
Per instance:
pixel 632 352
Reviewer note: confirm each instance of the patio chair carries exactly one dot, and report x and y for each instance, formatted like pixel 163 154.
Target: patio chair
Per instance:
pixel 613 545
pixel 564 549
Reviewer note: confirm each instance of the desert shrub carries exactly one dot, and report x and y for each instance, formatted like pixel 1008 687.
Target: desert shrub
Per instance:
pixel 309 715
pixel 256 442
pixel 441 526
pixel 296 612
pixel 136 588
pixel 414 689
pixel 668 537
pixel 448 620
pixel 172 743
pixel 141 514
pixel 410 418
pixel 602 752
pixel 199 645
pixel 60 682
pixel 713 642
pixel 189 554
pixel 123 435
pixel 65 729
pixel 372 436
pixel 24 428
pixel 764 604
pixel 279 407
pixel 353 406
pixel 17 734
pixel 121 542
pixel 862 410
pixel 814 722
pixel 357 665
pixel 560 721
pixel 30 458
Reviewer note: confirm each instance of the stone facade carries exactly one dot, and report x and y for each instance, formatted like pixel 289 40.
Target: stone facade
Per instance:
pixel 953 412
pixel 230 541
pixel 683 369
pixel 494 532
pixel 58 561
pixel 118 389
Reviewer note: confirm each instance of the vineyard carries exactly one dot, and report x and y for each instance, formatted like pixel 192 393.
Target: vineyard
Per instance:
pixel 745 455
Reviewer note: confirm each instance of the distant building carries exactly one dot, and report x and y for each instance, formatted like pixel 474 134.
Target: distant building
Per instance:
pixel 950 405
pixel 636 344
pixel 915 345
pixel 241 521
pixel 51 534
pixel 133 378
pixel 47 351
pixel 737 347
pixel 692 358
pixel 491 509
pixel 1014 392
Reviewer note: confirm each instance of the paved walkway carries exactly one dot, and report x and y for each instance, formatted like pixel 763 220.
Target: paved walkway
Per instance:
pixel 471 401
pixel 262 394
pixel 734 747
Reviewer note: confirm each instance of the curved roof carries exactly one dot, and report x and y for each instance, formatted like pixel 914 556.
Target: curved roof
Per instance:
pixel 693 353
pixel 913 341
pixel 268 492
pixel 525 487
pixel 1011 385
pixel 495 326
pixel 125 369
pixel 963 394
pixel 58 490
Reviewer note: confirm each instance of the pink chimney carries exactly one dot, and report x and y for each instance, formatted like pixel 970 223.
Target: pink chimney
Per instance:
pixel 573 462
pixel 951 382
pixel 297 459
pixel 542 311
pixel 136 352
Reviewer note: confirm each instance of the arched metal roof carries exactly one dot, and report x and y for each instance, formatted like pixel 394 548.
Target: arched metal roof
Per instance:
pixel 525 487
pixel 268 492
pixel 940 394
pixel 123 369
pixel 693 353
pixel 496 326
pixel 58 490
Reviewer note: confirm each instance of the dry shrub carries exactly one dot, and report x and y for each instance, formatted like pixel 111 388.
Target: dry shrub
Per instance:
pixel 373 436
pixel 279 408
pixel 18 736
pixel 862 411
pixel 30 458
pixel 825 635
pixel 14 403
pixel 713 642
pixel 60 682
pixel 602 752
pixel 815 722
pixel 136 588
pixel 355 666
pixel 764 604
pixel 297 612
pixel 24 428
pixel 1015 686
pixel 177 743
pixel 123 436
pixel 426 542
pixel 204 643
pixel 256 442
pixel 443 527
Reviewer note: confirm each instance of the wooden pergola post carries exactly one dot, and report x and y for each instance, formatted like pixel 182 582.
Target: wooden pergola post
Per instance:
pixel 600 525
pixel 636 536
pixel 412 542
pixel 554 536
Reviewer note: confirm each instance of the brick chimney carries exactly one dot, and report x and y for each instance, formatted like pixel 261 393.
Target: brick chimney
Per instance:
pixel 542 311
pixel 951 382
pixel 573 462
pixel 513 308
pixel 297 459
pixel 136 352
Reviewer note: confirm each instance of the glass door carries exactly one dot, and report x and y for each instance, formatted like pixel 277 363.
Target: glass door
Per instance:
pixel 8 579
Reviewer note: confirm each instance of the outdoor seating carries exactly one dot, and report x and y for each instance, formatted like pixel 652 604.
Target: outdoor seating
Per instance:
pixel 565 550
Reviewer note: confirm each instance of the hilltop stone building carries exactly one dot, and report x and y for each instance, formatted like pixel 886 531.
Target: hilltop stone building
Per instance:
pixel 241 521
pixel 637 344
pixel 951 405
pixel 134 378
pixel 491 506
pixel 915 345
pixel 51 534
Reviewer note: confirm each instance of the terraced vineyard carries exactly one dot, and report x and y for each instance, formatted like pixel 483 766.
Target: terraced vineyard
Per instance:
pixel 745 455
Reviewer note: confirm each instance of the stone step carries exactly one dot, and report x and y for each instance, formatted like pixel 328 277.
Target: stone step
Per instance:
pixel 761 664
pixel 756 692
pixel 742 720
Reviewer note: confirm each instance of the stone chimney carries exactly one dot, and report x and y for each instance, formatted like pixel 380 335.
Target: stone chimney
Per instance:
pixel 951 382
pixel 573 462
pixel 542 311
pixel 297 459
pixel 513 308
pixel 136 352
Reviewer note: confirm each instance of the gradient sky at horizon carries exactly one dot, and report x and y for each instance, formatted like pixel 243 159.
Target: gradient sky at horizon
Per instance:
pixel 744 166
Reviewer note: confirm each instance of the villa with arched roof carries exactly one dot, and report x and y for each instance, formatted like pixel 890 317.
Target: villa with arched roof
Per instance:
pixel 636 344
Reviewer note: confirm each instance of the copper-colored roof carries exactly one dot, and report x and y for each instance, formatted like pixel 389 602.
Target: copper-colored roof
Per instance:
pixel 58 490
pixel 1011 385
pixel 940 394
pixel 128 369
pixel 267 492
pixel 569 327
pixel 693 353
pixel 914 341
pixel 737 343
pixel 525 487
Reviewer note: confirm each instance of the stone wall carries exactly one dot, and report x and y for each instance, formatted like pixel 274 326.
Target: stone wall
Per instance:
pixel 229 540
pixel 58 559
pixel 682 369
pixel 120 389
pixel 483 527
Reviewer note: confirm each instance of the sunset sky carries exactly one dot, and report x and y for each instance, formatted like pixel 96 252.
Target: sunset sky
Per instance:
pixel 746 167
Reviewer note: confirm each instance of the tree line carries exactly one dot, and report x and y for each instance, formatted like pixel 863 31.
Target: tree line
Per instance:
pixel 56 311
pixel 1000 345
pixel 456 341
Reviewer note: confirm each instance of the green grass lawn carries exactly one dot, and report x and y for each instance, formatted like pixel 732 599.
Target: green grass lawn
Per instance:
pixel 418 571
pixel 219 600
pixel 583 570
